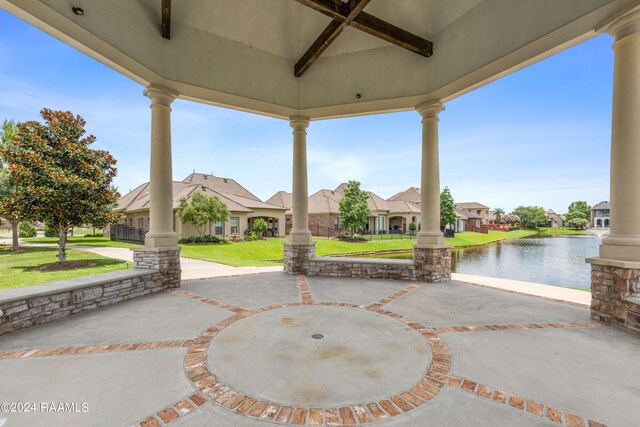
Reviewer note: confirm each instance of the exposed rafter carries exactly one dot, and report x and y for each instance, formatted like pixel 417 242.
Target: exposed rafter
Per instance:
pixel 166 19
pixel 351 14
pixel 329 34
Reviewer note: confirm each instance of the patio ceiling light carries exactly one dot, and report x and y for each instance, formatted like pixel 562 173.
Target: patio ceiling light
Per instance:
pixel 78 11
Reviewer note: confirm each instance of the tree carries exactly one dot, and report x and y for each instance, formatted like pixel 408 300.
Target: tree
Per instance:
pixel 579 209
pixel 578 223
pixel 498 213
pixel 58 179
pixel 353 207
pixel 260 226
pixel 412 227
pixel 201 210
pixel 7 132
pixel 447 208
pixel 531 216
pixel 510 219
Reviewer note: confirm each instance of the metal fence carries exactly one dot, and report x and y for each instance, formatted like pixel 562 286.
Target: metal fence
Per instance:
pixel 329 232
pixel 126 233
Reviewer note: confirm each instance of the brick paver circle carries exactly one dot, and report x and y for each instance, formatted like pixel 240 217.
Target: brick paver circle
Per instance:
pixel 370 364
pixel 272 356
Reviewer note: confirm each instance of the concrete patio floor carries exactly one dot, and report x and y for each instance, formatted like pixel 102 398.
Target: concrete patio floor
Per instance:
pixel 273 349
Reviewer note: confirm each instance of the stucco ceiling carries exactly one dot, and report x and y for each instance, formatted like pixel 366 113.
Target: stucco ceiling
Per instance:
pixel 241 53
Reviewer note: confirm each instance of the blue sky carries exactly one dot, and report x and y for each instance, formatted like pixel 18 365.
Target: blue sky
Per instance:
pixel 540 136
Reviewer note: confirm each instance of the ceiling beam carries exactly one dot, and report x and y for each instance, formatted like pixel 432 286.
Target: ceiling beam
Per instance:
pixel 166 19
pixel 338 10
pixel 330 33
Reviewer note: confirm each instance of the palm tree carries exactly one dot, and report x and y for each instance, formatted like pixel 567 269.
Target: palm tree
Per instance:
pixel 498 213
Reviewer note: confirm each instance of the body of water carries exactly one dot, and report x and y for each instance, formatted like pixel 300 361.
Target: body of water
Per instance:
pixel 558 261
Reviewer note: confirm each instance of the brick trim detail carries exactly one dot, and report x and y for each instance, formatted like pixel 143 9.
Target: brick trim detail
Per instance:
pixel 424 390
pixel 303 288
pixel 521 403
pixel 210 301
pixel 484 328
pixel 93 349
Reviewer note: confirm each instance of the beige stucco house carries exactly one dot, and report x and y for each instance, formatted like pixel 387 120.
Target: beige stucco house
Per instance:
pixel 484 212
pixel 243 206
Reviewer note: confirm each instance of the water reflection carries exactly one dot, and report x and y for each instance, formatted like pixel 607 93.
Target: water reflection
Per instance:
pixel 556 261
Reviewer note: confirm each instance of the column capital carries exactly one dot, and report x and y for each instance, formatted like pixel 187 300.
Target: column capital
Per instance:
pixel 625 25
pixel 160 95
pixel 299 123
pixel 430 109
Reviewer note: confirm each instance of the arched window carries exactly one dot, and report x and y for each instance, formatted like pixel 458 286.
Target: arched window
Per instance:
pixel 606 223
pixel 599 223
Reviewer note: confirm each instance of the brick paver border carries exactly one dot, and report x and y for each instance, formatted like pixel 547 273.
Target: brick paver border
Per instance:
pixel 303 288
pixel 93 349
pixel 424 390
pixel 521 403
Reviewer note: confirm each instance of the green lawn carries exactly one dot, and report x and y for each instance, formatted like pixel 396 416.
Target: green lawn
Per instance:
pixel 269 252
pixel 19 268
pixel 560 231
pixel 82 241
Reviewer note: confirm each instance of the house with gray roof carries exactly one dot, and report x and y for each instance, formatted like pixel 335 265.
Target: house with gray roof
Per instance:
pixel 601 215
pixel 243 206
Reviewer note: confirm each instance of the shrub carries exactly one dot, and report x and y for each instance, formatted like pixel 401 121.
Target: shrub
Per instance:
pixel 260 226
pixel 355 237
pixel 26 230
pixel 92 235
pixel 251 237
pixel 50 232
pixel 200 239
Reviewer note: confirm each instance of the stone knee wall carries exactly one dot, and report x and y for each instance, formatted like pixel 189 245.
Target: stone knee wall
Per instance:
pixel 167 262
pixel 297 256
pixel 25 307
pixel 432 264
pixel 361 267
pixel 615 295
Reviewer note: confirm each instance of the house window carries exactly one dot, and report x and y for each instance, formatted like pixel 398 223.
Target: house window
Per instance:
pixel 380 223
pixel 140 222
pixel 336 223
pixel 218 227
pixel 234 225
pixel 479 211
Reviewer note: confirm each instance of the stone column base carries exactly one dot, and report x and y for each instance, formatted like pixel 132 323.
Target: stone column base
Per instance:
pixel 432 263
pixel 297 256
pixel 166 260
pixel 615 292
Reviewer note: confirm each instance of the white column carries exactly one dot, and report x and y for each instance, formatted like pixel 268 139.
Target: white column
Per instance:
pixel 300 209
pixel 161 233
pixel 430 233
pixel 623 242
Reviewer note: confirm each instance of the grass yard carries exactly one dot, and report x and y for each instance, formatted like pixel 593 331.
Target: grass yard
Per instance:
pixel 20 268
pixel 82 241
pixel 561 231
pixel 265 252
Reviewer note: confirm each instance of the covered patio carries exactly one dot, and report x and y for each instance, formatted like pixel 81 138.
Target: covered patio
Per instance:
pixel 282 349
pixel 296 347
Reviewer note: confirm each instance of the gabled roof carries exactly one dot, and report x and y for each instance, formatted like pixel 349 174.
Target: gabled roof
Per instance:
pixel 281 198
pixel 401 206
pixel 471 205
pixel 324 201
pixel 466 214
pixel 602 205
pixel 238 199
pixel 411 194
pixel 377 203
pixel 220 185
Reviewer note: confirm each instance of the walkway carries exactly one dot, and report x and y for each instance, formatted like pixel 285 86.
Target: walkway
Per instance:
pixel 276 349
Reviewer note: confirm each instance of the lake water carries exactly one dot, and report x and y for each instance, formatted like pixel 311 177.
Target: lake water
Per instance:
pixel 558 261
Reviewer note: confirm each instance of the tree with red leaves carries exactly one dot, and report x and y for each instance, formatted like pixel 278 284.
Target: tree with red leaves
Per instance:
pixel 57 178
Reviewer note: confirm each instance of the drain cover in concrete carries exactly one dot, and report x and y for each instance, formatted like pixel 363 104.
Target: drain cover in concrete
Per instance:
pixel 361 357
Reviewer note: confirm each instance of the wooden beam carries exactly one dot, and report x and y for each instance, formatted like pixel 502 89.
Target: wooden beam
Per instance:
pixel 166 19
pixel 330 33
pixel 395 35
pixel 370 24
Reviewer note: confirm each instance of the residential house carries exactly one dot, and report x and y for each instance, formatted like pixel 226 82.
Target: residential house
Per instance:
pixel 466 217
pixel 478 209
pixel 555 220
pixel 387 216
pixel 243 206
pixel 601 215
